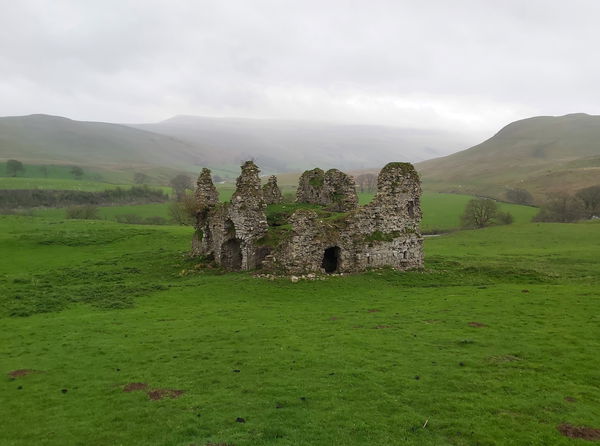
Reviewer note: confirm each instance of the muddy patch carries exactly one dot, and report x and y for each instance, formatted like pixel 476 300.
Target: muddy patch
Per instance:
pixel 504 358
pixel 132 387
pixel 334 318
pixel 476 324
pixel 159 394
pixel 22 372
pixel 570 399
pixel 381 327
pixel 583 432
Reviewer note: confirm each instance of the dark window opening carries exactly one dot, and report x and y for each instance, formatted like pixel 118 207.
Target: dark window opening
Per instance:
pixel 405 254
pixel 231 254
pixel 411 209
pixel 331 259
pixel 229 228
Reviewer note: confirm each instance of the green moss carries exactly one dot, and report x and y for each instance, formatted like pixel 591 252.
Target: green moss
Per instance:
pixel 275 236
pixel 406 169
pixel 316 181
pixel 279 214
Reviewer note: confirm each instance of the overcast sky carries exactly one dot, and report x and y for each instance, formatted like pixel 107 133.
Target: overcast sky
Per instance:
pixel 468 66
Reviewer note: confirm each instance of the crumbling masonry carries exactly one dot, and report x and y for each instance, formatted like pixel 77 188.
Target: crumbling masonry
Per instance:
pixel 324 231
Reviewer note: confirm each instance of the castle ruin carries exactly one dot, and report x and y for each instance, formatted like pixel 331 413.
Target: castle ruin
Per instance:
pixel 324 231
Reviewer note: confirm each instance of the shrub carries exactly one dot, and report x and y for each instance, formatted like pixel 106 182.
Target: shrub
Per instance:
pixel 288 197
pixel 13 167
pixel 562 209
pixel 183 211
pixel 519 196
pixel 591 200
pixel 504 218
pixel 85 212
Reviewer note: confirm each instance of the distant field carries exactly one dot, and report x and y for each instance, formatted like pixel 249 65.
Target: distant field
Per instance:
pixel 440 211
pixel 494 342
pixel 65 184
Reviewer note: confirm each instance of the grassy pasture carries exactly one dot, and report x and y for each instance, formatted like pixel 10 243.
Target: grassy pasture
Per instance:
pixel 481 347
pixel 440 211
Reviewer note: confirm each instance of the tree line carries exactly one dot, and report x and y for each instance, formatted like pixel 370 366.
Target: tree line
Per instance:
pixel 20 198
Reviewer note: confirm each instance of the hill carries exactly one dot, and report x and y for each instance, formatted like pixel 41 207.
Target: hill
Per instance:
pixel 187 142
pixel 47 139
pixel 284 146
pixel 544 155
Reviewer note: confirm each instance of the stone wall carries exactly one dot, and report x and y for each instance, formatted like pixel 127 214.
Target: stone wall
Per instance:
pixel 384 232
pixel 228 231
pixel 271 191
pixel 333 189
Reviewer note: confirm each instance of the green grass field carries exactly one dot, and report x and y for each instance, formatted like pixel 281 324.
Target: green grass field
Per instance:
pixel 441 212
pixel 494 342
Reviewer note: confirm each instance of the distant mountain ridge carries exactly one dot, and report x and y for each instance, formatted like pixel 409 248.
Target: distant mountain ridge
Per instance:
pixel 286 145
pixel 544 155
pixel 187 142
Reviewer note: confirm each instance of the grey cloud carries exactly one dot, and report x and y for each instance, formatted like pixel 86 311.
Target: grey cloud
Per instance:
pixel 467 65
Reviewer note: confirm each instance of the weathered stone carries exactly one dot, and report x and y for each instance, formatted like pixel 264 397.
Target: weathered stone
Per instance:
pixel 384 232
pixel 229 231
pixel 333 189
pixel 271 191
pixel 310 186
pixel 339 191
pixel 206 192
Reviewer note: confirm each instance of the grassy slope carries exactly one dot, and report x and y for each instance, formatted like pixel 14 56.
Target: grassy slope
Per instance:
pixel 543 154
pixel 44 138
pixel 316 364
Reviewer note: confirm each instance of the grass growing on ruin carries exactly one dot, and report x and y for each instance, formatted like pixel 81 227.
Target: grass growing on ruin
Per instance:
pixel 494 343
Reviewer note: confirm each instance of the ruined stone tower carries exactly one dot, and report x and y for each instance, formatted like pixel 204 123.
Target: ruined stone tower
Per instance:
pixel 228 231
pixel 325 231
pixel 271 191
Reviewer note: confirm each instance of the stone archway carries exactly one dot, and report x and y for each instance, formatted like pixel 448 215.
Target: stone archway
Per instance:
pixel 231 254
pixel 331 259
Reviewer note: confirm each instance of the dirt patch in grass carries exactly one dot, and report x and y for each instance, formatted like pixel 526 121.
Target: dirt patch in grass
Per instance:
pixel 583 432
pixel 476 324
pixel 570 399
pixel 22 372
pixel 132 387
pixel 380 327
pixel 504 358
pixel 159 394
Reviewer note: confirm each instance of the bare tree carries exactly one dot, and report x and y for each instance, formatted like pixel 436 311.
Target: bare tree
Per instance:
pixel 591 199
pixel 562 208
pixel 180 184
pixel 140 178
pixel 479 213
pixel 184 210
pixel 77 172
pixel 13 167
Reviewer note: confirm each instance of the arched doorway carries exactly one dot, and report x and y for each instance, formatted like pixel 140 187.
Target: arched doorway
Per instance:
pixel 231 254
pixel 331 259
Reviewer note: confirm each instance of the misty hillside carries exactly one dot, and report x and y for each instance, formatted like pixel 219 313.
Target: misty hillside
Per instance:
pixel 544 154
pixel 280 146
pixel 44 138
